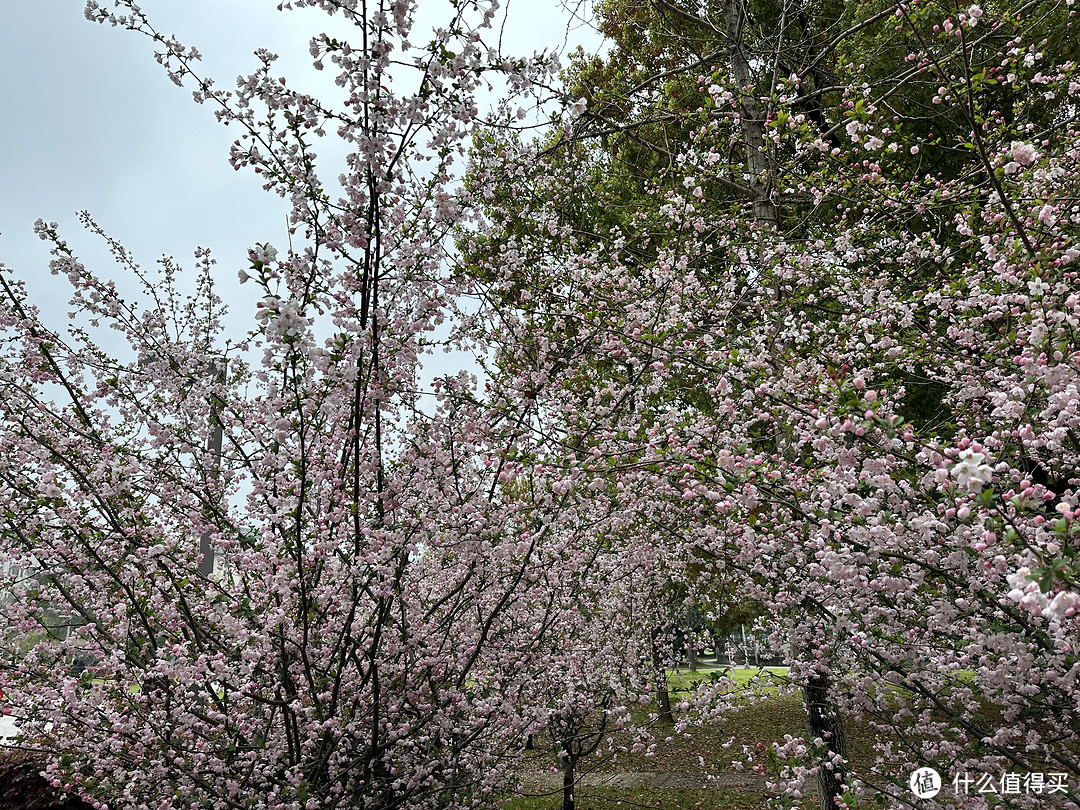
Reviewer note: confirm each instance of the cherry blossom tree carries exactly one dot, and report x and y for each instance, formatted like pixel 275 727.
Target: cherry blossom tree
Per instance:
pixel 842 387
pixel 373 613
pixel 850 387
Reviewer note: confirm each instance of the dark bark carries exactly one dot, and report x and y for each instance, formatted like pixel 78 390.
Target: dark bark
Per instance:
pixel 824 721
pixel 663 699
pixel 568 781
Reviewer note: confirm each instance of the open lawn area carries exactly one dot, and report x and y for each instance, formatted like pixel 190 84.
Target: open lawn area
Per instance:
pixel 720 764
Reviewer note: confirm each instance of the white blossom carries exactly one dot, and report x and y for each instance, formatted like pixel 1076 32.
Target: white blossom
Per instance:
pixel 263 254
pixel 970 472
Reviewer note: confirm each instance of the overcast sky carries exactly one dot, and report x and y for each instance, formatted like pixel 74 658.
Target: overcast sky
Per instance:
pixel 90 121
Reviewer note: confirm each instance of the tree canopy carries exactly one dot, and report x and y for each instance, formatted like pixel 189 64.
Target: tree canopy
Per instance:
pixel 778 318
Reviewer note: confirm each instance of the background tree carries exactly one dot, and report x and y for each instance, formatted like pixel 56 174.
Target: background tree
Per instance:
pixel 913 549
pixel 358 645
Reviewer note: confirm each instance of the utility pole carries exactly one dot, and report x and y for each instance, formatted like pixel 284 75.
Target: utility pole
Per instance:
pixel 206 548
pixel 214 442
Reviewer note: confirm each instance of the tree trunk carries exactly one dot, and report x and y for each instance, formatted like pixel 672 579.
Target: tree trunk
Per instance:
pixel 822 717
pixel 567 781
pixel 663 699
pixel 824 722
pixel 751 121
pixel 691 657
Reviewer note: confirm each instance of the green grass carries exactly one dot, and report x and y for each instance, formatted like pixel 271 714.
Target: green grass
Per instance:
pixel 701 748
pixel 629 798
pixel 682 680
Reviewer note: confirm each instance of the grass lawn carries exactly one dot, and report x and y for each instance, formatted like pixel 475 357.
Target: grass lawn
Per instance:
pixel 612 798
pixel 743 735
pixel 702 749
pixel 683 680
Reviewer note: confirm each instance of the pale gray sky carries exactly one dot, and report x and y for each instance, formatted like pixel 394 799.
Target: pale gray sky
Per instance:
pixel 92 122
